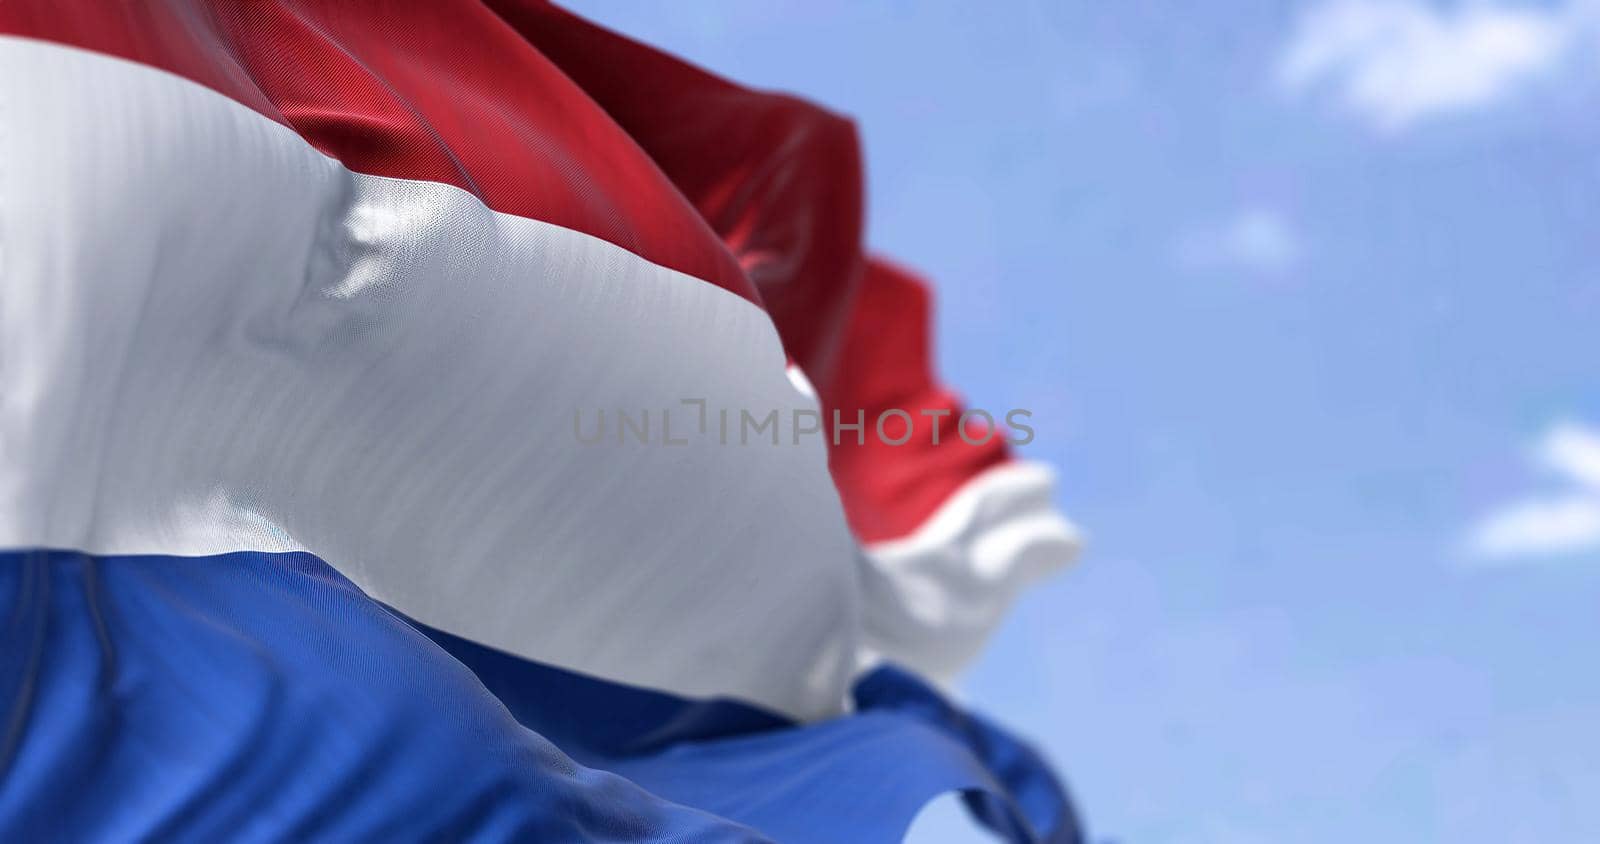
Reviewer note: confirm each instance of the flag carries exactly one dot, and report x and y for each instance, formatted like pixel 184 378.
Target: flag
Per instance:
pixel 456 421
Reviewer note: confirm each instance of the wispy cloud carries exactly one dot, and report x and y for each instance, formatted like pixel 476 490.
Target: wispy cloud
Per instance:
pixel 1398 62
pixel 1564 522
pixel 1573 450
pixel 1257 239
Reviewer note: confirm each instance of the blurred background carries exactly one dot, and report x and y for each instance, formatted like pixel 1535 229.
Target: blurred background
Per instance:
pixel 1304 298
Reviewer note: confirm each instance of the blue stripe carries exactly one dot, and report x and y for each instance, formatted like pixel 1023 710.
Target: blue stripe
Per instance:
pixel 262 697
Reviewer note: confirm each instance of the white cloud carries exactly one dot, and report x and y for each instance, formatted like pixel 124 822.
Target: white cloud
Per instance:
pixel 1573 450
pixel 1258 239
pixel 1401 61
pixel 1540 526
pixel 1562 523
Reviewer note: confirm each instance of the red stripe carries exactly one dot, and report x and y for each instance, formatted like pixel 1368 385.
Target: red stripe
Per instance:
pixel 442 92
pixel 779 179
pixel 887 362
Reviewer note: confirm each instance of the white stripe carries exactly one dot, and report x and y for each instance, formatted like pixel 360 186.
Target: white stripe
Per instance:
pixel 932 598
pixel 216 338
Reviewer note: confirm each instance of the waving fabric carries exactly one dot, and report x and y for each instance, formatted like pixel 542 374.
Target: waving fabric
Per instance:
pixel 364 471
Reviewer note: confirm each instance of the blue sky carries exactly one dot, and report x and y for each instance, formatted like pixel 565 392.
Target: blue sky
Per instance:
pixel 1305 300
